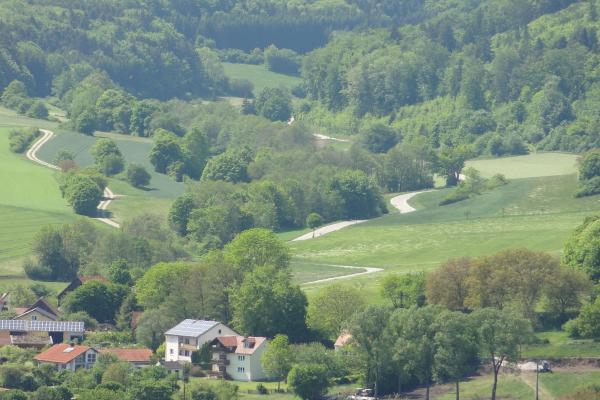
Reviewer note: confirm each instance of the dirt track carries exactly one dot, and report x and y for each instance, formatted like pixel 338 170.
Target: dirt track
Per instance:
pixel 108 194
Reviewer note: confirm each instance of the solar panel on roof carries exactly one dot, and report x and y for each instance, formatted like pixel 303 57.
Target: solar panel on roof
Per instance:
pixel 191 327
pixel 41 326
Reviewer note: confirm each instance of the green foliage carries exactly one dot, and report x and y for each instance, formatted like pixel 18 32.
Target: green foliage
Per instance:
pixel 308 381
pixel 589 174
pixel 107 157
pixel 101 301
pixel 257 248
pixel 21 139
pixel 473 185
pixel 331 308
pixel 267 303
pixel 37 110
pixel 284 61
pixel 582 249
pixel 379 138
pixel 404 290
pixel 314 220
pixel 278 358
pixel 137 175
pixel 587 324
pixel 359 196
pixel 83 194
pixel 157 282
pixel 274 104
pixel 228 167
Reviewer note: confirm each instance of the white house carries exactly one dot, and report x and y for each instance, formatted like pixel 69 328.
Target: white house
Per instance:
pixel 70 357
pixel 190 335
pixel 238 357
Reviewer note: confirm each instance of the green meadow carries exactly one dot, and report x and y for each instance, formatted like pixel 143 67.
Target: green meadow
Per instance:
pixel 260 76
pixel 534 212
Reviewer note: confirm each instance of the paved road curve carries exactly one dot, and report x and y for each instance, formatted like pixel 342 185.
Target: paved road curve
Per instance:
pixel 108 194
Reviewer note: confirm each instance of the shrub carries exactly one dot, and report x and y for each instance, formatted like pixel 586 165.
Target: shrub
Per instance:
pixel 589 187
pixel 36 271
pixel 112 164
pixel 84 195
pixel 261 389
pixel 19 140
pixel 37 110
pixel 137 175
pixel 571 328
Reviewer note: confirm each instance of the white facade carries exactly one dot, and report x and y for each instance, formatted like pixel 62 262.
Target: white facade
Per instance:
pixel 180 347
pixel 243 362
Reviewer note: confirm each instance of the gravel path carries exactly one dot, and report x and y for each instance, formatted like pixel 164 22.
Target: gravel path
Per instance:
pixel 401 202
pixel 108 194
pixel 325 137
pixel 364 271
pixel 328 229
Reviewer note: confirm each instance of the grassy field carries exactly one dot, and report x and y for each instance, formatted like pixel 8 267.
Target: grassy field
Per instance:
pixel 564 383
pixel 560 346
pixel 260 76
pixel 529 166
pixel 130 201
pixel 509 387
pixel 30 199
pixel 538 213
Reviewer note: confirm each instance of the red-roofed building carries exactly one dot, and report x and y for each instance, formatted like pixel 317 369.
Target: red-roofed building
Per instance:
pixel 66 356
pixel 238 357
pixel 137 357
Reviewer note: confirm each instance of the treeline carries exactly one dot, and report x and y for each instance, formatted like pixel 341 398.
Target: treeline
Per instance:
pixel 496 76
pixel 64 252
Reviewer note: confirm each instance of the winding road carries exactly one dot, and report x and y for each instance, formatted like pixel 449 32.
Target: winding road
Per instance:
pixel 108 194
pixel 365 271
pixel 401 202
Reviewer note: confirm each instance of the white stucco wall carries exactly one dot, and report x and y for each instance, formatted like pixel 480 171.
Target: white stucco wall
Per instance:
pixel 251 363
pixel 172 342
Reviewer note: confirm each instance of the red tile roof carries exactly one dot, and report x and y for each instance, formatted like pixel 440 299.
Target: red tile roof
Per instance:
pixel 61 353
pixel 130 355
pixel 238 343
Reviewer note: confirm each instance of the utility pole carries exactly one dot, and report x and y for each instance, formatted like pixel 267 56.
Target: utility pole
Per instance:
pixel 537 380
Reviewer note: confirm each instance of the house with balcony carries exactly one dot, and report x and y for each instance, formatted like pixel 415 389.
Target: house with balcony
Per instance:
pixel 190 335
pixel 238 357
pixel 68 356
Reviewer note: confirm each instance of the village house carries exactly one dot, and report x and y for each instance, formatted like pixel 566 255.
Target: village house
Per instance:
pixel 190 335
pixel 69 357
pixel 39 333
pixel 238 357
pixel 41 310
pixel 137 357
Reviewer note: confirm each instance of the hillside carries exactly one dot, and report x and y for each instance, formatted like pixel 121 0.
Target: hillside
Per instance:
pixel 534 212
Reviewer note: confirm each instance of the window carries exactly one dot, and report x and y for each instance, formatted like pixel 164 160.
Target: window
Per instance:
pixel 34 317
pixel 171 351
pixel 241 369
pixel 219 331
pixel 241 358
pixel 187 353
pixel 180 352
pixel 187 341
pixel 247 345
pixel 91 358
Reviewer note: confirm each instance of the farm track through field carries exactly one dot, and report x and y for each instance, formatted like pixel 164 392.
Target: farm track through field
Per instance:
pixel 108 194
